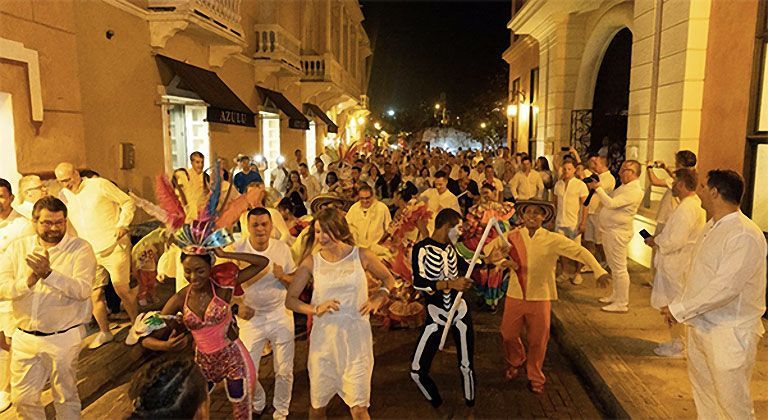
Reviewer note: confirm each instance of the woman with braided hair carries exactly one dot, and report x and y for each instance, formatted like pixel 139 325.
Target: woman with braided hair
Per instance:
pixel 169 389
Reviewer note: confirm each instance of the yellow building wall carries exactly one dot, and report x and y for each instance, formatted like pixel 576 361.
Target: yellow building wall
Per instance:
pixel 48 28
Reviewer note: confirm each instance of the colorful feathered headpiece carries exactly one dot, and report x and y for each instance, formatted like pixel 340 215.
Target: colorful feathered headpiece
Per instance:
pixel 209 230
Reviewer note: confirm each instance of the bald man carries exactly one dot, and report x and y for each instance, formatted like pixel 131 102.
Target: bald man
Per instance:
pixel 101 214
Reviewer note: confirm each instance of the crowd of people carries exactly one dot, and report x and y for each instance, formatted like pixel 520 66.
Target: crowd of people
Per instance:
pixel 387 237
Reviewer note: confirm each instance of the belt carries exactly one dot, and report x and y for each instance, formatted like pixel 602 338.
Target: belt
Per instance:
pixel 45 334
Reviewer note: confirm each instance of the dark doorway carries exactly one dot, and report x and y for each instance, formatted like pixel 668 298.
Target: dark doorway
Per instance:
pixel 611 100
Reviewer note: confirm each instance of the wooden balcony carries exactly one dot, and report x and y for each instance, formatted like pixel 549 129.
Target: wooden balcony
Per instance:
pixel 326 69
pixel 277 45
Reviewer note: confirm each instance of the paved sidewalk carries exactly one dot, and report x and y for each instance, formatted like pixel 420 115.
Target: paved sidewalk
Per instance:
pixel 614 352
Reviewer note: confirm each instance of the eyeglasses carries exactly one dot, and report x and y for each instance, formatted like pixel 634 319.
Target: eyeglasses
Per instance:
pixel 51 223
pixel 38 188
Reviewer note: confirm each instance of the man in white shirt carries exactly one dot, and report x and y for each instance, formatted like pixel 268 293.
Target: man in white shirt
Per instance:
pixel 490 179
pixel 47 277
pixel 12 226
pixel 368 218
pixel 320 173
pixel 479 173
pixel 279 177
pixel 674 247
pixel 593 238
pixel 571 218
pixel 101 214
pixel 723 301
pixel 439 198
pixel 527 183
pixel 262 316
pixel 31 189
pixel 309 181
pixel 616 222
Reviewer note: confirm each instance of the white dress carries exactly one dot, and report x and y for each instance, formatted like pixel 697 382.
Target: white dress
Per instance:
pixel 341 344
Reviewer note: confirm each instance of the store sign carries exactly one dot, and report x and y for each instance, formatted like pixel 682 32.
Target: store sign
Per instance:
pixel 226 116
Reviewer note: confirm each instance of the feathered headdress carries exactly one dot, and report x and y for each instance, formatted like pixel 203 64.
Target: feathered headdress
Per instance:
pixel 209 230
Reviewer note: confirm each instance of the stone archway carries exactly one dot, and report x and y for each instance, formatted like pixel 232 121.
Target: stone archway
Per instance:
pixel 610 23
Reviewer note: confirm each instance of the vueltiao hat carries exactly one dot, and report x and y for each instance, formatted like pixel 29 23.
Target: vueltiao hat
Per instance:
pixel 549 208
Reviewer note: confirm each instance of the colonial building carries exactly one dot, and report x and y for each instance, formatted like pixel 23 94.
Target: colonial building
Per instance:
pixel 130 87
pixel 644 78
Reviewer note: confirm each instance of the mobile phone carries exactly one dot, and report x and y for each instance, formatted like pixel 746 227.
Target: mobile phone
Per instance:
pixel 644 233
pixel 565 148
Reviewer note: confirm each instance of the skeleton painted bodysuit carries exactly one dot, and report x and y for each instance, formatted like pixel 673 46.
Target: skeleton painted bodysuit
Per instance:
pixel 433 262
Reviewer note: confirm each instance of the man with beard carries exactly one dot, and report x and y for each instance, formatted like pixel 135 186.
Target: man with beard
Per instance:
pixel 47 276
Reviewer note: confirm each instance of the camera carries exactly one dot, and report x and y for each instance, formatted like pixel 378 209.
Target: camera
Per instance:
pixel 591 178
pixel 565 149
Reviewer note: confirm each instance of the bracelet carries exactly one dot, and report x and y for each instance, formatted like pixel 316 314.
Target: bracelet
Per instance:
pixel 385 290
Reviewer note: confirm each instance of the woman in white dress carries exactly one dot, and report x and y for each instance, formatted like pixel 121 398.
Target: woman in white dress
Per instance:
pixel 340 360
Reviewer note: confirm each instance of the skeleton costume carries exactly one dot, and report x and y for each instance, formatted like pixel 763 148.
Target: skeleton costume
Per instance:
pixel 432 262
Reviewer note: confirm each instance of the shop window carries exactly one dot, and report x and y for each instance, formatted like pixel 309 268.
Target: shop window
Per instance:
pixel 8 169
pixel 756 200
pixel 310 151
pixel 270 137
pixel 188 133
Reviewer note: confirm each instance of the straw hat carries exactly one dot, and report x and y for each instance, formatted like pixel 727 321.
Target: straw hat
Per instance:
pixel 549 208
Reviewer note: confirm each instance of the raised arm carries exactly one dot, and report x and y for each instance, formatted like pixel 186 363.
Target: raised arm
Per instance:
pixel 257 264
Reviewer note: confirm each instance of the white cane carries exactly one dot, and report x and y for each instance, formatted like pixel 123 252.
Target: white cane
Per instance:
pixel 472 263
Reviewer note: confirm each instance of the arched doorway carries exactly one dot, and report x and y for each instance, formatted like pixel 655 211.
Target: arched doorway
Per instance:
pixel 611 100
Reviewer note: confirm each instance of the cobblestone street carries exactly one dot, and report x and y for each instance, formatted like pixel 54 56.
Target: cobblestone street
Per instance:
pixel 394 395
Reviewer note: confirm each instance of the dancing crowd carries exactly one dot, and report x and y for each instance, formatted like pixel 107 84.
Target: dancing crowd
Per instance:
pixel 417 238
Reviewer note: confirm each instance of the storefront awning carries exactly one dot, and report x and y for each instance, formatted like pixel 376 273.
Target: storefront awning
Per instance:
pixel 315 110
pixel 223 105
pixel 277 100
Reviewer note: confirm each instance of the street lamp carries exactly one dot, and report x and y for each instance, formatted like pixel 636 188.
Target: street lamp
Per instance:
pixel 377 125
pixel 437 106
pixel 360 120
pixel 391 112
pixel 483 125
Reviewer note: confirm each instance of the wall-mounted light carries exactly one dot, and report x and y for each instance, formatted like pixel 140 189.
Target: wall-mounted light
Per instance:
pixel 377 125
pixel 361 120
pixel 517 100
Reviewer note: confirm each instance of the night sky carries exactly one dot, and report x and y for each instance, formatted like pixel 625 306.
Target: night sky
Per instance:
pixel 423 48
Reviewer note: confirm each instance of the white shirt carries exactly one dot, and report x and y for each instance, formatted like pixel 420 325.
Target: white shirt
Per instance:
pixel 368 225
pixel 436 202
pixel 169 266
pixel 608 183
pixel 279 179
pixel 97 209
pixel 320 177
pixel 568 204
pixel 279 228
pixel 667 204
pixel 313 187
pixel 620 207
pixel 12 227
pixel 267 295
pixel 675 248
pixel 55 303
pixel 726 282
pixel 526 187
pixel 497 185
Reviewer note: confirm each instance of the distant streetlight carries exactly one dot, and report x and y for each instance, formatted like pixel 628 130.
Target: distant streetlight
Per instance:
pixel 377 125
pixel 391 112
pixel 483 125
pixel 437 106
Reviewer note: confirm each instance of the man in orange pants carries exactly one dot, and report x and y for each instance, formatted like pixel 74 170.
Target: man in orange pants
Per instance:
pixel 532 259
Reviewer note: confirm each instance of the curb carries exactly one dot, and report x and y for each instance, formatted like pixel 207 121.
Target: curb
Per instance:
pixel 619 392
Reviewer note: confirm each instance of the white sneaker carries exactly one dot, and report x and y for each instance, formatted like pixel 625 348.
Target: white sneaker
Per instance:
pixel 673 349
pixel 5 401
pixel 577 279
pixel 101 339
pixel 606 299
pixel 616 308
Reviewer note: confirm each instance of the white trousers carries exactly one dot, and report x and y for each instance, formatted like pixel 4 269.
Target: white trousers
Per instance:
pixel 615 243
pixel 280 334
pixel 720 363
pixel 6 325
pixel 35 361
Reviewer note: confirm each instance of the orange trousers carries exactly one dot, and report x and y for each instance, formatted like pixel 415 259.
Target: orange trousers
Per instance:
pixel 535 317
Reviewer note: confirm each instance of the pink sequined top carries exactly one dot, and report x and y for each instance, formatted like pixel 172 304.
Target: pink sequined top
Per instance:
pixel 210 333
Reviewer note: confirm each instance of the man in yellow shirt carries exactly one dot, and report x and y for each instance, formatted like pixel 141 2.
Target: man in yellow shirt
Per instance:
pixel 532 260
